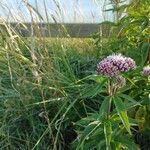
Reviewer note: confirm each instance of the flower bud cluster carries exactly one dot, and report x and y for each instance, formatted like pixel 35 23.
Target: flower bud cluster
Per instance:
pixel 146 71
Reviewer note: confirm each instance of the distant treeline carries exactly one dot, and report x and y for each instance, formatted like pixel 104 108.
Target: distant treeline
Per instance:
pixel 81 30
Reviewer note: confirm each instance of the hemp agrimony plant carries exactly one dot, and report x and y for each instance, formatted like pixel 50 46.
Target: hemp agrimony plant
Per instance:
pixel 112 66
pixel 110 128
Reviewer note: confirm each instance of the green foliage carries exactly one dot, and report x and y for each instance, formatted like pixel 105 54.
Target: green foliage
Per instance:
pixel 51 97
pixel 42 96
pixel 130 34
pixel 121 110
pixel 114 131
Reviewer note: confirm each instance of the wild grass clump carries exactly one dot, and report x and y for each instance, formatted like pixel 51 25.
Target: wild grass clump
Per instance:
pixel 45 88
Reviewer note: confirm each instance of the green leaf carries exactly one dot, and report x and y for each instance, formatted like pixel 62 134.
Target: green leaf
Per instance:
pixel 121 110
pixel 144 53
pixel 130 99
pixel 127 97
pixel 125 142
pixel 91 90
pixel 145 101
pixel 104 106
pixel 87 120
pixel 98 79
pixel 95 88
pixel 101 145
pixel 108 134
pixel 90 129
pixel 95 139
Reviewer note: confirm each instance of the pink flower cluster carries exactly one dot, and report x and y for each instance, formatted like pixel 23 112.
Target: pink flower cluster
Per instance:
pixel 114 64
pixel 146 71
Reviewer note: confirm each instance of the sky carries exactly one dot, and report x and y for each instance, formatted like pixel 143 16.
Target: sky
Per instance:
pixel 68 11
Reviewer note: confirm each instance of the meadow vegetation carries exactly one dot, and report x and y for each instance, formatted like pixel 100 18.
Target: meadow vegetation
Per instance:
pixel 51 96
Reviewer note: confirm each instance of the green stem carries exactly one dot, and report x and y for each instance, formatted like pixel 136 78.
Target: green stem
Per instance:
pixel 109 107
pixel 110 93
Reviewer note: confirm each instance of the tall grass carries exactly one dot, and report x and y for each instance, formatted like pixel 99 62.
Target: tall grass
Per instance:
pixel 45 85
pixel 42 97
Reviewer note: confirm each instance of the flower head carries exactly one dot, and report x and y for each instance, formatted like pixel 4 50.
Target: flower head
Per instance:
pixel 114 64
pixel 146 71
pixel 106 67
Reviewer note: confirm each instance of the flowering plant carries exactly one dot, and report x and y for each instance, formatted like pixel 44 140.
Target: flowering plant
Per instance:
pixel 112 66
pixel 146 71
pixel 115 64
pixel 111 126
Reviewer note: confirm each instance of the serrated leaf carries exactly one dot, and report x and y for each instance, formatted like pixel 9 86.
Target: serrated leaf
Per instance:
pixel 121 110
